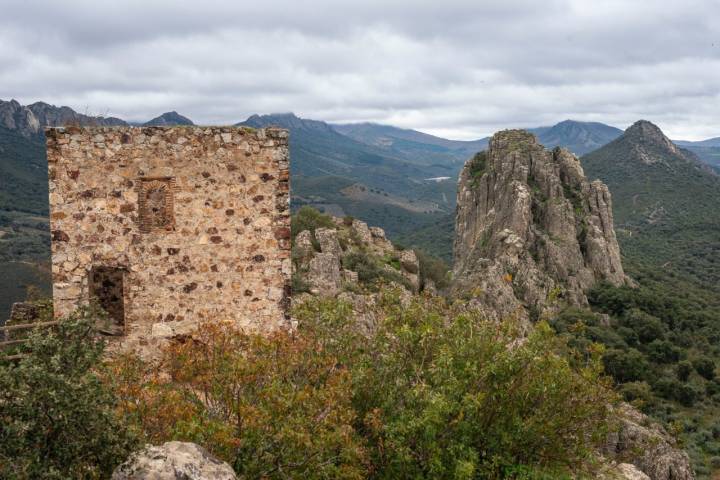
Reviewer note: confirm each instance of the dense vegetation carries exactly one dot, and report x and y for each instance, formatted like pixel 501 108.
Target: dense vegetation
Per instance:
pixel 58 420
pixel 24 231
pixel 431 393
pixel 662 351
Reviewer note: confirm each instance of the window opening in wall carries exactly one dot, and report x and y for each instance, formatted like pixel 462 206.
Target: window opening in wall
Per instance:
pixel 106 288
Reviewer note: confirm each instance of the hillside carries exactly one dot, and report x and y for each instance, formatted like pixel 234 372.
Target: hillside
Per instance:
pixel 707 150
pixel 578 137
pixel 421 147
pixel 397 195
pixel 665 203
pixel 168 119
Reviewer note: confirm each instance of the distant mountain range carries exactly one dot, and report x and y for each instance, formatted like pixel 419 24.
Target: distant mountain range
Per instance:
pixel 29 120
pixel 400 179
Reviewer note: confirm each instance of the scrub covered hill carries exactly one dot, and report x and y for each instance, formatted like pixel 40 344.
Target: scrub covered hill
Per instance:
pixel 663 338
pixel 666 204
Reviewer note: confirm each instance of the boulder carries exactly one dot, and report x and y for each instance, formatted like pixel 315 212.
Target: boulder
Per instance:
pixel 303 246
pixel 646 445
pixel 363 232
pixel 173 461
pixel 324 274
pixel 328 240
pixel 379 241
pixel 409 261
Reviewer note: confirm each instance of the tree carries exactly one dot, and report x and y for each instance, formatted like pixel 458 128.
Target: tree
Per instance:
pixel 625 365
pixel 705 367
pixel 57 419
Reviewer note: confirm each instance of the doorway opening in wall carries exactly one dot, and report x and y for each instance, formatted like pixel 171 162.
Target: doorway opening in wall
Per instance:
pixel 107 289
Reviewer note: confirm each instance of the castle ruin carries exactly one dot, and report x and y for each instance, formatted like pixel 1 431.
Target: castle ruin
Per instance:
pixel 170 226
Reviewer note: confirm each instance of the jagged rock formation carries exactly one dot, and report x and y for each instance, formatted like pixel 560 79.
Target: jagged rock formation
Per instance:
pixel 530 229
pixel 169 119
pixel 31 119
pixel 173 461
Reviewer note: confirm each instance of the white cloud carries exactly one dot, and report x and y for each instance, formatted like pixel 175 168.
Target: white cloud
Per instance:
pixel 460 68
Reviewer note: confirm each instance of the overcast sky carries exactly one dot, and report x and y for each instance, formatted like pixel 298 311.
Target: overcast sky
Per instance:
pixel 460 69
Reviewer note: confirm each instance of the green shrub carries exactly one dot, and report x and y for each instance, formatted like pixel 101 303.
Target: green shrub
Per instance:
pixel 433 268
pixel 272 405
pixel 705 367
pixel 57 419
pixel 441 395
pixel 638 393
pixel 477 166
pixel 683 370
pixel 647 327
pixel 371 272
pixel 307 218
pixel 662 351
pixel 430 393
pixel 625 365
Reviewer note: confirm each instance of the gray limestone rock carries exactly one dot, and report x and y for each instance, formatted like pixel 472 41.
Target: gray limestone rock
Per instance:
pixel 328 240
pixel 363 231
pixel 324 274
pixel 173 461
pixel 647 446
pixel 530 229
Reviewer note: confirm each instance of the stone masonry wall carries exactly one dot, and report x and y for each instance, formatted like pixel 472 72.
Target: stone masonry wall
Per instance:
pixel 196 220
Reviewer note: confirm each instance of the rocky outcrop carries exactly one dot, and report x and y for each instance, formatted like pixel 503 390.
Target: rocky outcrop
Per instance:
pixel 324 259
pixel 31 119
pixel 646 445
pixel 531 231
pixel 173 461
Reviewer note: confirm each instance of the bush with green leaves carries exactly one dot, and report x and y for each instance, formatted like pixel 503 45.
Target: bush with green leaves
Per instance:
pixel 308 218
pixel 440 393
pixel 57 419
pixel 431 392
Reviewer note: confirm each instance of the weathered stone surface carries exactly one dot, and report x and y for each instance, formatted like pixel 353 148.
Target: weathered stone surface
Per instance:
pixel 173 461
pixel 328 240
pixel 188 218
pixel 409 261
pixel 350 276
pixel 324 274
pixel 631 472
pixel 363 307
pixel 363 231
pixel 622 471
pixel 379 241
pixel 530 229
pixel 303 247
pixel 647 446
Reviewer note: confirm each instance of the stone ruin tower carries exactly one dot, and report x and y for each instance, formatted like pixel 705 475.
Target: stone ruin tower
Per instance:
pixel 170 226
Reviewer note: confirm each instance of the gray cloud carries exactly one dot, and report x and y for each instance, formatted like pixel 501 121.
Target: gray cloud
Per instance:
pixel 462 69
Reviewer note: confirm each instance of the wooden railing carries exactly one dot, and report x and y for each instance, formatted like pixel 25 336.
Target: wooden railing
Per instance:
pixel 24 326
